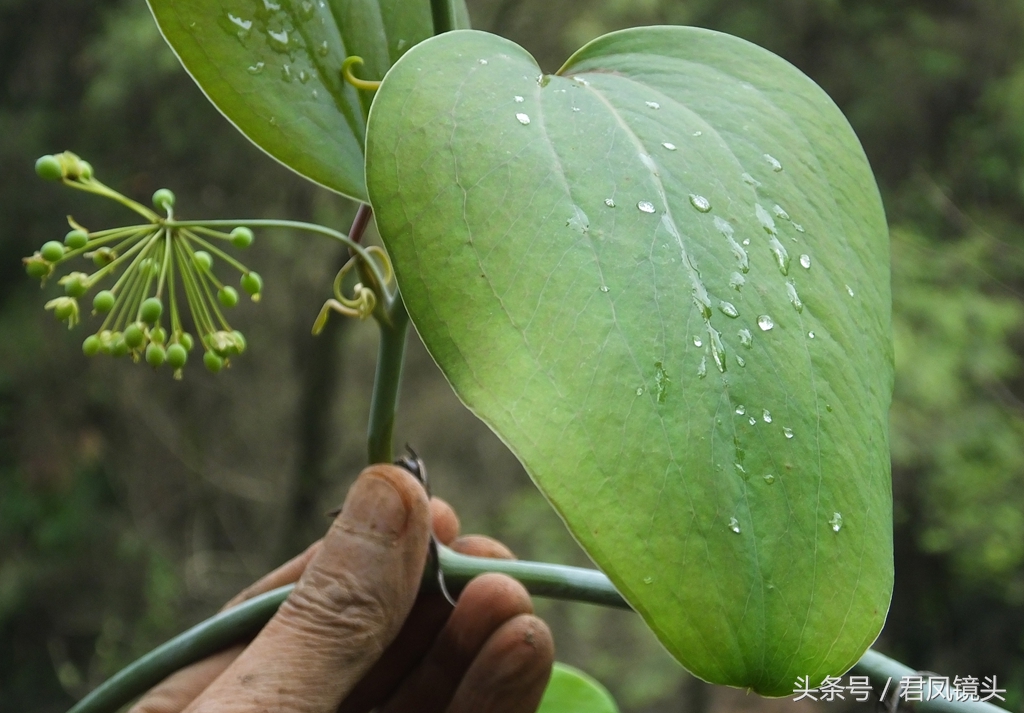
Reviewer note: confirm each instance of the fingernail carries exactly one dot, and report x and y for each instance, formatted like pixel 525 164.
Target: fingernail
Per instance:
pixel 375 507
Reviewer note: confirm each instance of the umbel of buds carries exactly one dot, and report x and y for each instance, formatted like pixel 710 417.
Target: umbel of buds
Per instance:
pixel 146 279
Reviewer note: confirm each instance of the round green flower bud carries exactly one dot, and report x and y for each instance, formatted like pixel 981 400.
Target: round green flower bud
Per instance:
pixel 202 259
pixel 91 346
pixel 155 355
pixel 151 310
pixel 52 251
pixel 176 356
pixel 158 335
pixel 119 347
pixel 186 341
pixel 64 309
pixel 104 301
pixel 228 296
pixel 134 336
pixel 49 168
pixel 241 237
pixel 163 199
pixel 240 343
pixel 76 284
pixel 103 256
pixel 76 239
pixel 36 267
pixel 252 283
pixel 213 362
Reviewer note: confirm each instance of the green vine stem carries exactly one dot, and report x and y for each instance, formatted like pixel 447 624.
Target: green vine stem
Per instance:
pixel 540 579
pixel 390 355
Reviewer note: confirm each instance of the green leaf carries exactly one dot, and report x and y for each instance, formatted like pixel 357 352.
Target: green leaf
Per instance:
pixel 273 68
pixel 572 691
pixel 662 277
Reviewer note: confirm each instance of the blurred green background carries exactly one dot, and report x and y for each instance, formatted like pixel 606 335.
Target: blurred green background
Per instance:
pixel 132 506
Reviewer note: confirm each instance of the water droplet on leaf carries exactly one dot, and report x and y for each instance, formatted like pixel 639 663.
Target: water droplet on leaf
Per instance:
pixel 728 309
pixel 609 202
pixel 669 146
pixel 805 262
pixel 773 162
pixel 700 203
pixel 740 410
pixel 645 206
pixel 836 522
pixel 765 322
pixel 787 432
pixel 256 68
pixel 766 415
pixel 746 338
pixel 519 99
pixel 769 478
pixel 523 118
pixel 697 342
pixel 653 105
pixel 794 298
pixel 849 291
pixel 734 525
pixel 661 381
pixel 736 281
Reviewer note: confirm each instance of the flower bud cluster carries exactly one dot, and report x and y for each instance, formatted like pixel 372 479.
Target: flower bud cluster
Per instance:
pixel 142 272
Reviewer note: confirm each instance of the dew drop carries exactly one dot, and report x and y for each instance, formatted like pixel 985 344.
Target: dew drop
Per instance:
pixel 787 432
pixel 740 410
pixel 648 580
pixel 256 68
pixel 315 94
pixel 609 202
pixel 717 349
pixel 273 121
pixel 281 38
pixel 698 133
pixel 805 262
pixel 519 99
pixel 773 162
pixel 578 221
pixel 734 525
pixel 604 288
pixel 781 255
pixel 728 309
pixel 765 322
pixel 750 180
pixel 810 335
pixel 769 478
pixel 523 118
pixel 669 146
pixel 303 76
pixel 828 407
pixel 798 228
pixel 653 105
pixel 766 415
pixel 746 338
pixel 766 221
pixel 482 61
pixel 697 342
pixel 243 25
pixel 286 73
pixel 752 421
pixel 849 291
pixel 645 206
pixel 401 43
pixel 639 391
pixel 780 213
pixel 836 522
pixel 736 281
pixel 746 241
pixel 794 298
pixel 700 203
pixel 322 49
pixel 740 360
pixel 661 381
pixel 702 368
pixel 575 108
pixel 307 9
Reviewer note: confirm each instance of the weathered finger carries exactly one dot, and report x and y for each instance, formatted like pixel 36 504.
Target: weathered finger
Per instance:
pixel 349 605
pixel 446 522
pixel 485 604
pixel 482 546
pixel 288 573
pixel 511 671
pixel 179 689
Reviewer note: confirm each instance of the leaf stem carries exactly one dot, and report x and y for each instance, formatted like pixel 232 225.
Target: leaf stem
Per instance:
pixel 386 380
pixel 540 579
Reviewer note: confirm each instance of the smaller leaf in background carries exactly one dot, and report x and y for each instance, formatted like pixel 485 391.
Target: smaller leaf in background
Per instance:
pixel 572 691
pixel 274 70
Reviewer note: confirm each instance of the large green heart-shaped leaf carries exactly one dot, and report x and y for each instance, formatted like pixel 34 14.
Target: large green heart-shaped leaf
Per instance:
pixel 662 277
pixel 273 68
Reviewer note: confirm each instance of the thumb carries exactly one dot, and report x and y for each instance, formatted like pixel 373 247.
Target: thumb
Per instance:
pixel 346 609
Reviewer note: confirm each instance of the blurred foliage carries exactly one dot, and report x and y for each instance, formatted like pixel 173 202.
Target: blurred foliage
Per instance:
pixel 131 505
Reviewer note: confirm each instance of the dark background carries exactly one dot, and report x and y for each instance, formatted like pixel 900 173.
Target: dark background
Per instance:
pixel 132 505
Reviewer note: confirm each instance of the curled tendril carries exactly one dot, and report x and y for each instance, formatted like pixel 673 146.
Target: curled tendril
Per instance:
pixel 346 73
pixel 364 300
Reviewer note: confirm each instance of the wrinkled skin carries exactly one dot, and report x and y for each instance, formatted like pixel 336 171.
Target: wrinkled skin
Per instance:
pixel 354 635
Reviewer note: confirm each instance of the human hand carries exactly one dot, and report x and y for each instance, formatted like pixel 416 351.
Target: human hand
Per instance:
pixel 355 635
